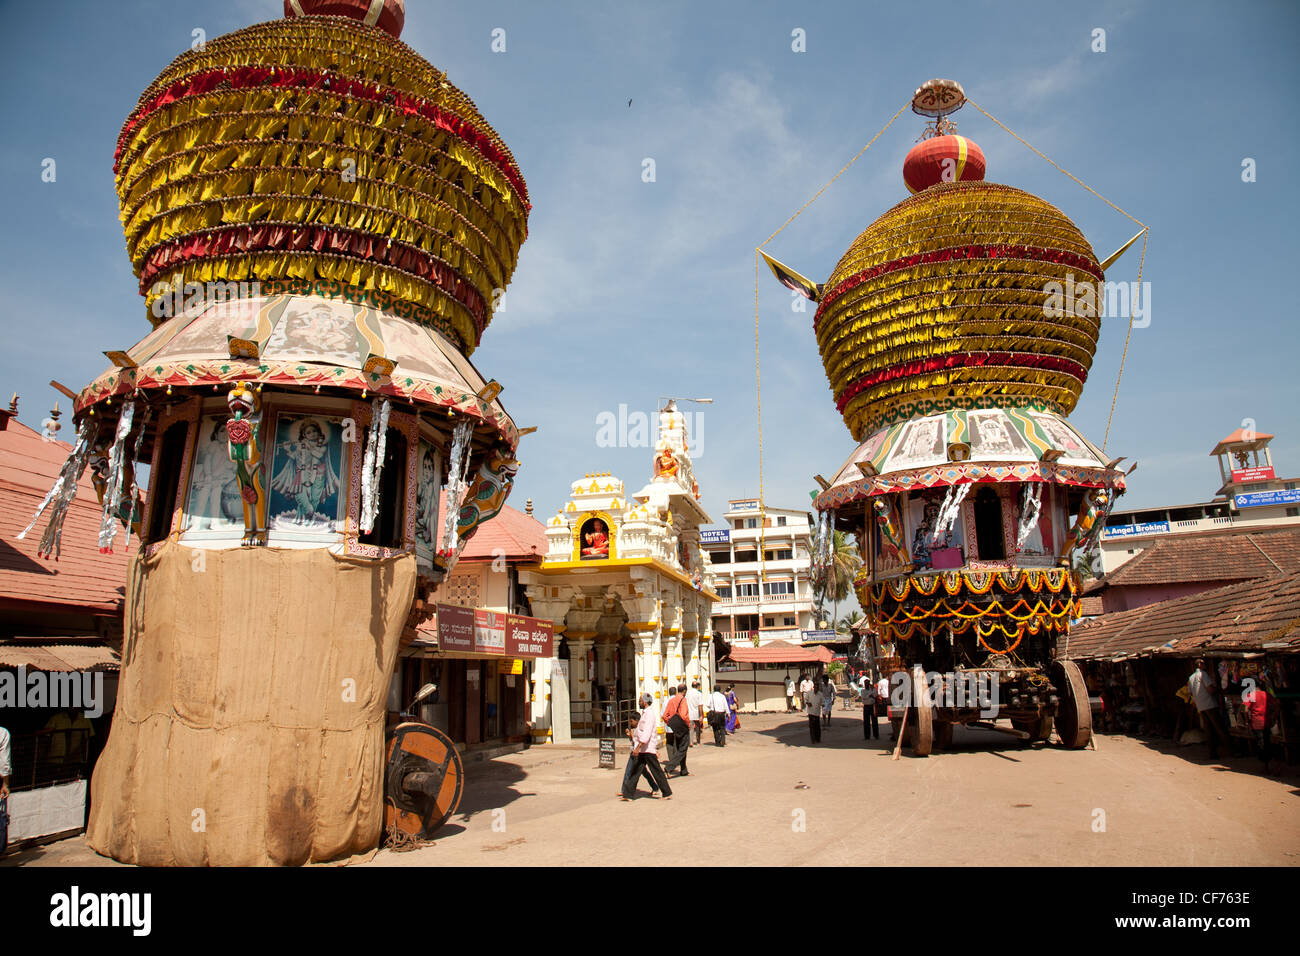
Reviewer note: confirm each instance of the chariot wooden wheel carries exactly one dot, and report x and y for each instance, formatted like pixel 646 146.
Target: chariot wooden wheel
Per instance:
pixel 923 735
pixel 943 734
pixel 1073 713
pixel 424 780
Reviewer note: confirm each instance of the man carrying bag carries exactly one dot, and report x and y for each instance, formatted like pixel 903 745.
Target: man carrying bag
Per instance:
pixel 679 729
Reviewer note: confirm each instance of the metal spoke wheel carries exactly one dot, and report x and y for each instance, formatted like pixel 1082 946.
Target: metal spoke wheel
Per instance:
pixel 1074 713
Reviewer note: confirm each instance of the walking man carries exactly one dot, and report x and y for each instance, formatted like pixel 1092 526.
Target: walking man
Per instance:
pixel 695 708
pixel 882 693
pixel 870 719
pixel 812 706
pixel 1201 684
pixel 679 733
pixel 829 692
pixel 789 694
pixel 718 711
pixel 644 744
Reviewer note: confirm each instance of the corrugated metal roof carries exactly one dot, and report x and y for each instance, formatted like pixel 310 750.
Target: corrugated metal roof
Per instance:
pixel 59 657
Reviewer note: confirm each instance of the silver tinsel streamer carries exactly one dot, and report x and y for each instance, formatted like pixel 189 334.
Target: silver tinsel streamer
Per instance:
pixel 948 511
pixel 64 490
pixel 1031 506
pixel 135 470
pixel 457 466
pixel 373 465
pixel 113 492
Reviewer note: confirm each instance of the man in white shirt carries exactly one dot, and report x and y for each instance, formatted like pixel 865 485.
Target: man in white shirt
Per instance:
pixel 789 694
pixel 1202 686
pixel 644 744
pixel 695 708
pixel 5 771
pixel 718 709
pixel 812 706
pixel 870 720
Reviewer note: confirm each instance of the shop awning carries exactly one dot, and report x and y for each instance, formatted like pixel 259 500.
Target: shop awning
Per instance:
pixel 781 652
pixel 59 657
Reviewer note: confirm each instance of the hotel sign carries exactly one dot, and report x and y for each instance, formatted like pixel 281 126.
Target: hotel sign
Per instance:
pixel 1252 474
pixel 1133 530
pixel 1259 499
pixel 715 536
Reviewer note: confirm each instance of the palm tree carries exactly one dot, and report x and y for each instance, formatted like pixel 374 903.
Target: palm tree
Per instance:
pixel 845 562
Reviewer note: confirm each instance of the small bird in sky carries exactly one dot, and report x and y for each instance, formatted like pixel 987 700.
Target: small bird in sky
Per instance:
pixel 629 102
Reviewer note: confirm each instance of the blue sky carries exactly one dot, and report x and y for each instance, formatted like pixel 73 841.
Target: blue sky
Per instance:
pixel 628 290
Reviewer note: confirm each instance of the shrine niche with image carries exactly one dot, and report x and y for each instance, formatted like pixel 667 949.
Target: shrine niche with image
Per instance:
pixel 594 540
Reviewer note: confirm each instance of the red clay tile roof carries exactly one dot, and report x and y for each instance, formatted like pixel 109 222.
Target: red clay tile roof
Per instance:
pixel 1239 436
pixel 1090 605
pixel 1210 556
pixel 82 579
pixel 1242 616
pixel 512 533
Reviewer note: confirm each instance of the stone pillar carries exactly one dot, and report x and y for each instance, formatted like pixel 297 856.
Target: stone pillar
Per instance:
pixel 705 655
pixel 690 657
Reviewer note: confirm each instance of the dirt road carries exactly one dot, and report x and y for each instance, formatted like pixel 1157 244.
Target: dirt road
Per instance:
pixel 771 798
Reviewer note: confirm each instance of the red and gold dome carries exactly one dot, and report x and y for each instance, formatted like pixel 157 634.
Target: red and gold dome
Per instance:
pixel 321 155
pixel 943 302
pixel 942 159
pixel 389 15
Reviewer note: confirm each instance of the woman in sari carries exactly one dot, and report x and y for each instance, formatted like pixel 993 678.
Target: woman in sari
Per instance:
pixel 733 716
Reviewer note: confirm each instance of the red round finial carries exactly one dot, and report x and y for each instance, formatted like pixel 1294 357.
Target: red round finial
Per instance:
pixel 943 159
pixel 390 15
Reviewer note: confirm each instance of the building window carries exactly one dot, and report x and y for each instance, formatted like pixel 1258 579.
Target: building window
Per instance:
pixel 743 556
pixel 1293 512
pixel 778 587
pixel 780 522
pixel 751 522
pixel 769 622
pixel 720 557
pixel 780 554
pixel 724 593
pixel 789 621
pixel 746 590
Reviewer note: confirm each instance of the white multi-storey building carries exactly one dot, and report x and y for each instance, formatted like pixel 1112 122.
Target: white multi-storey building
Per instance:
pixel 761 562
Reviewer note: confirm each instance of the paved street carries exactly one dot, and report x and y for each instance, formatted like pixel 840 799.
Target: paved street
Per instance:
pixel 989 802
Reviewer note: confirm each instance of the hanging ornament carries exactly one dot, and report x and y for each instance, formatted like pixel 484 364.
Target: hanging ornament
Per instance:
pixel 1031 506
pixel 62 494
pixel 134 493
pixel 948 512
pixel 113 491
pixel 373 465
pixel 457 466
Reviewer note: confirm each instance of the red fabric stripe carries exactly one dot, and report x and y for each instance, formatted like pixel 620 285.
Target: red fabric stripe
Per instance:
pixel 247 77
pixel 281 239
pixel 960 360
pixel 1031 253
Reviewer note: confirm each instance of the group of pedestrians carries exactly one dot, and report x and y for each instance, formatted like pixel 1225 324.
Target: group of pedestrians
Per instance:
pixel 817 694
pixel 683 715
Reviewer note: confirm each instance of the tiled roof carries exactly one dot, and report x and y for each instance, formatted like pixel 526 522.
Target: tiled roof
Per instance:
pixel 1237 437
pixel 512 533
pixel 1238 617
pixel 1210 556
pixel 82 578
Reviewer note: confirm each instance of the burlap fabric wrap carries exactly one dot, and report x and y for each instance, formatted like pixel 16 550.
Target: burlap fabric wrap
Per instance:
pixel 250 714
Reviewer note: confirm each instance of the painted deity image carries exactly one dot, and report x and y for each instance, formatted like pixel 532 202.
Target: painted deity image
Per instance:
pixel 595 540
pixel 304 491
pixel 213 503
pixel 426 499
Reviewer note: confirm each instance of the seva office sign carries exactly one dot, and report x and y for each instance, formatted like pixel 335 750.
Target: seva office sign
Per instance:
pixel 1258 499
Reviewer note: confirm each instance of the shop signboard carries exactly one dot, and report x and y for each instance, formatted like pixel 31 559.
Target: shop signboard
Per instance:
pixel 819 635
pixel 1252 474
pixel 455 628
pixel 529 636
pixel 1133 530
pixel 607 752
pixel 715 536
pixel 1259 499
pixel 750 505
pixel 489 632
